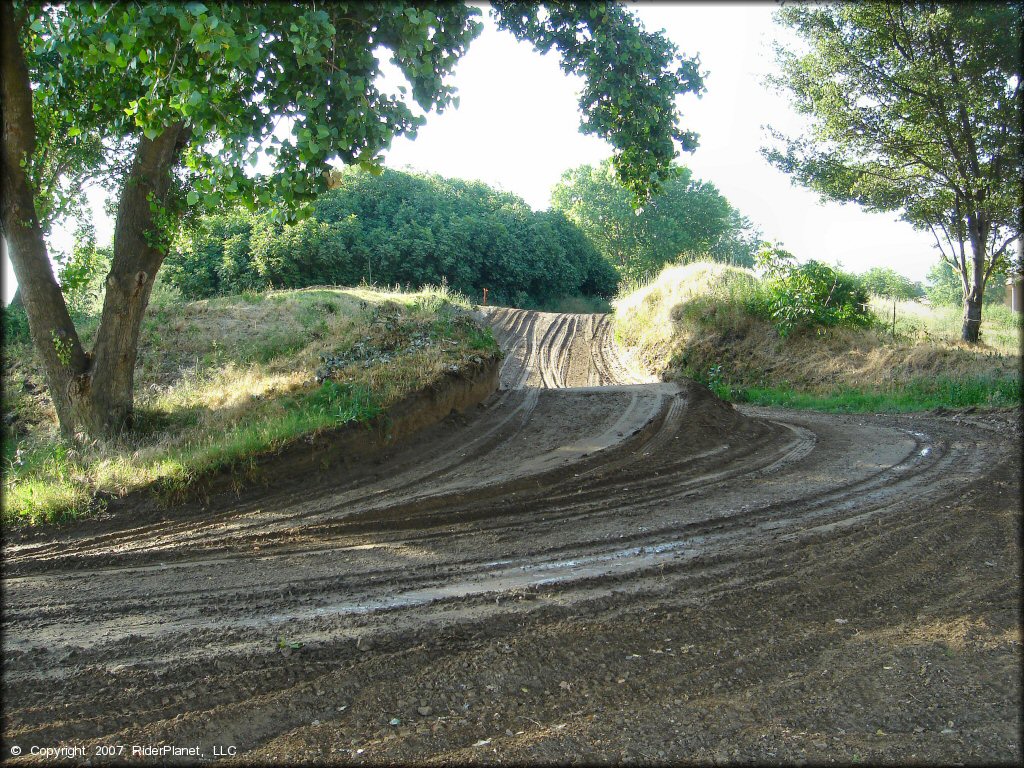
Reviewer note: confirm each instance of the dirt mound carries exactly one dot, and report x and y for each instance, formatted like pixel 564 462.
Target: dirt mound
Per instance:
pixel 590 565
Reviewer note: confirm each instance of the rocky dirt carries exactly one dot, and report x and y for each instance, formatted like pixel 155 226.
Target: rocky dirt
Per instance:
pixel 589 567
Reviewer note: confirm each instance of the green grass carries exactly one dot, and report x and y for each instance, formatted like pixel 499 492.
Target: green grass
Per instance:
pixel 915 396
pixel 223 381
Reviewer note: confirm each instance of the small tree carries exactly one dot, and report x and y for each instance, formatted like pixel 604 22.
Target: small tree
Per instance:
pixel 915 108
pixel 192 93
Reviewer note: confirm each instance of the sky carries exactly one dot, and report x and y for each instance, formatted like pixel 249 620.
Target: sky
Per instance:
pixel 517 128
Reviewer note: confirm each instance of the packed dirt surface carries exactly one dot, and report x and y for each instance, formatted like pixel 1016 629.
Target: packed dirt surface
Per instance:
pixel 591 566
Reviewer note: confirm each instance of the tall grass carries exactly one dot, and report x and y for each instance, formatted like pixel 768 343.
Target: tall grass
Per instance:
pixel 1001 328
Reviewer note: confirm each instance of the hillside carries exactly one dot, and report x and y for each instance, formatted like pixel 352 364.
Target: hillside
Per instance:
pixel 221 381
pixel 700 321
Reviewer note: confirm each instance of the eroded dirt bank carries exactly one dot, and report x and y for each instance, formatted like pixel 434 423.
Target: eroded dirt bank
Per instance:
pixel 591 566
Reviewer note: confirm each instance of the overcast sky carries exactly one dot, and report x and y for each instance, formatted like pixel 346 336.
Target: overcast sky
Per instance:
pixel 518 129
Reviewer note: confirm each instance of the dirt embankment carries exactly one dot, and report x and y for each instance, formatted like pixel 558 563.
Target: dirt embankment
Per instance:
pixel 590 565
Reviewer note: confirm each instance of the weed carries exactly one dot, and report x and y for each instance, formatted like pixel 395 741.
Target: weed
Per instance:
pixel 343 403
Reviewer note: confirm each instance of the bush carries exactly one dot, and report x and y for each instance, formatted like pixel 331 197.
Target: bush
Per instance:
pixel 81 273
pixel 808 295
pixel 398 229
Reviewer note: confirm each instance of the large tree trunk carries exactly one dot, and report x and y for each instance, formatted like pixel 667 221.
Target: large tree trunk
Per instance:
pixel 105 394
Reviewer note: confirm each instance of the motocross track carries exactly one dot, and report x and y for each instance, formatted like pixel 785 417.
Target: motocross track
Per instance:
pixel 589 566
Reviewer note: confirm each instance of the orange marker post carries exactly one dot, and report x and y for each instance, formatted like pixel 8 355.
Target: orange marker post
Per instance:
pixel 485 297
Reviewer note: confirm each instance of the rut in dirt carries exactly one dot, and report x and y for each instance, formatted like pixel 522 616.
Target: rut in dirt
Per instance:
pixel 581 472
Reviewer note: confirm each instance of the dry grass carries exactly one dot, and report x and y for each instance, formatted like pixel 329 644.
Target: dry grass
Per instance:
pixel 221 380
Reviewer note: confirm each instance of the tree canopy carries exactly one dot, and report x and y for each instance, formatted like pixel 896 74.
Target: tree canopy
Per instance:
pixel 182 99
pixel 401 228
pixel 916 108
pixel 687 217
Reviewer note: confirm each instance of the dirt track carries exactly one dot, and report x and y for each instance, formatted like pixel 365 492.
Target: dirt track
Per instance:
pixel 590 566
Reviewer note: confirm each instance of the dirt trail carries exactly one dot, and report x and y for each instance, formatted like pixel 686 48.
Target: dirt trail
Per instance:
pixel 591 565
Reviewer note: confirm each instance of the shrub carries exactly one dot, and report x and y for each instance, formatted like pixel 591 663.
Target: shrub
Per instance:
pixel 808 295
pixel 14 324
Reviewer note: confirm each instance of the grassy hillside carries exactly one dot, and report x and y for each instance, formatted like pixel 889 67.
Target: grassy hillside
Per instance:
pixel 699 321
pixel 222 380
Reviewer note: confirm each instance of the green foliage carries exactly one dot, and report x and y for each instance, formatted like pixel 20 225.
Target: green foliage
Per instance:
pixel 884 281
pixel 808 295
pixel 14 325
pixel 62 348
pixel 230 71
pixel 687 216
pixel 81 273
pixel 343 403
pixel 914 108
pixel 397 228
pixel 944 286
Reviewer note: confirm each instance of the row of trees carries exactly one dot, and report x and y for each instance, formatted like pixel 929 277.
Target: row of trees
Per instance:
pixel 404 228
pixel 396 227
pixel 687 217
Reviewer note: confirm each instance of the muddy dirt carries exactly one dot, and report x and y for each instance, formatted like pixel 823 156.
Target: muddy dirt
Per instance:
pixel 590 566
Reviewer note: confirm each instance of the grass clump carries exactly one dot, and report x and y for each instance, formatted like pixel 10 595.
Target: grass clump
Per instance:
pixel 713 323
pixel 222 381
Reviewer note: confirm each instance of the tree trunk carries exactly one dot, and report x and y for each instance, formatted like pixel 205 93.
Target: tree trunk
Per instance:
pixel 50 325
pixel 978 229
pixel 106 392
pixel 971 332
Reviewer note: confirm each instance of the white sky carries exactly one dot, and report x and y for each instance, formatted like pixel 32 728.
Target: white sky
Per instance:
pixel 517 128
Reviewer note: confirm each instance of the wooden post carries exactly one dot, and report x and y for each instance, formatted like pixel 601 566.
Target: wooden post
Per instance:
pixel 485 297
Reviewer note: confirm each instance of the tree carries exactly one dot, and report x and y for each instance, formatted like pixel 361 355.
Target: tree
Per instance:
pixel 885 281
pixel 915 108
pixel 195 92
pixel 687 216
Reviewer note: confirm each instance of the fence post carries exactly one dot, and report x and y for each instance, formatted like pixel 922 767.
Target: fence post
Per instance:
pixel 485 297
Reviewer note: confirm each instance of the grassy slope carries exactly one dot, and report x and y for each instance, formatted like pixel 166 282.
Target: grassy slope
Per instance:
pixel 691 321
pixel 222 380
